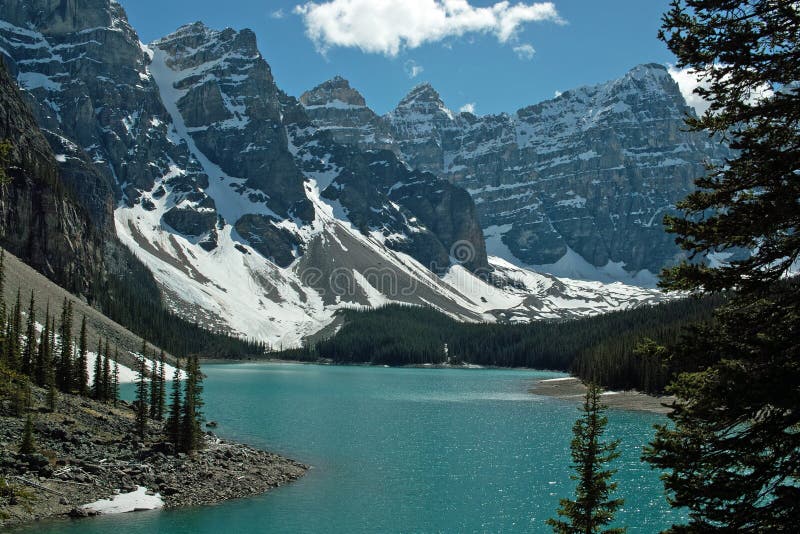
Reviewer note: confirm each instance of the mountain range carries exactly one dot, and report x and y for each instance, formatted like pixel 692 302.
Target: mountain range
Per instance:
pixel 181 168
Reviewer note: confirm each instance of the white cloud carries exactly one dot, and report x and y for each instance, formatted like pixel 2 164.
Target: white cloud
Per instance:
pixel 524 51
pixel 557 94
pixel 468 108
pixel 277 14
pixel 413 69
pixel 389 26
pixel 687 81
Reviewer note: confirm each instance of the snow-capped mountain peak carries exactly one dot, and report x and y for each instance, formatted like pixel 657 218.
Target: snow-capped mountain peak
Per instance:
pixel 335 93
pixel 253 213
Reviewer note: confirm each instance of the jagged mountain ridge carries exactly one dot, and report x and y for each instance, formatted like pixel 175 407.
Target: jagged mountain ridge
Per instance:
pixel 251 218
pixel 577 183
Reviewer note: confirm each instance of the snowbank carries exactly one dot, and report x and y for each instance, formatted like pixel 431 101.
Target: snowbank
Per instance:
pixel 134 501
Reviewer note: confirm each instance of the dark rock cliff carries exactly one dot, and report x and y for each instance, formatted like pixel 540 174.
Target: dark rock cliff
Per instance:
pixel 40 220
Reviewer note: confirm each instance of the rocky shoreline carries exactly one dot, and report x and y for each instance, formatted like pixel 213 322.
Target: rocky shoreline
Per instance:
pixel 87 451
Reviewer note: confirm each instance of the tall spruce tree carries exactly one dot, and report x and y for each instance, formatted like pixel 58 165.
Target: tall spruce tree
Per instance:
pixel 155 375
pixel 746 54
pixel 106 382
pixel 173 426
pixel 29 354
pixel 189 432
pixel 28 445
pixel 162 386
pixel 43 362
pixel 115 379
pixel 141 394
pixel 97 381
pixel 13 336
pixel 66 372
pixel 733 450
pixel 592 509
pixel 81 365
pixel 51 347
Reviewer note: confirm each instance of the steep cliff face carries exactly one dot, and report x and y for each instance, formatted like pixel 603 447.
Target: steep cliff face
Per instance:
pixel 573 184
pixel 39 219
pixel 593 171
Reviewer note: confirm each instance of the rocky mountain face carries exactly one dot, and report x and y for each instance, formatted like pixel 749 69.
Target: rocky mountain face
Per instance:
pixel 39 219
pixel 83 75
pixel 255 213
pixel 339 109
pixel 582 180
pixel 228 108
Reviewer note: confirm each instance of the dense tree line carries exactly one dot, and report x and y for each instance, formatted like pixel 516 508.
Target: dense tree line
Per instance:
pixel 610 349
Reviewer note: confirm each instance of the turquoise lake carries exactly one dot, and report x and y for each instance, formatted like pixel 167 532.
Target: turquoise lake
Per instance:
pixel 401 450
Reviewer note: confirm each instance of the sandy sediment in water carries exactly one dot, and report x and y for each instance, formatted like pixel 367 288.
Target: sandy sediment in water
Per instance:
pixel 570 388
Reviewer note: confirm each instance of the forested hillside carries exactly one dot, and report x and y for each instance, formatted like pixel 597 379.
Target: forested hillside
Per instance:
pixel 605 348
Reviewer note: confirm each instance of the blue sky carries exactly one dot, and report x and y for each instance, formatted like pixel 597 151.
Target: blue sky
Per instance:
pixel 495 57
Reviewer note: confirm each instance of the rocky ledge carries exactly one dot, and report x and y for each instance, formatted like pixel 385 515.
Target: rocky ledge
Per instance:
pixel 87 451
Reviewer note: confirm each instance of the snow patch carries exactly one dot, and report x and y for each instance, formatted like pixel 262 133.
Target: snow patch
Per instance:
pixel 137 500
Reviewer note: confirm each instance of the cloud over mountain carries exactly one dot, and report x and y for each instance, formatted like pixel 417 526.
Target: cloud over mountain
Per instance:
pixel 389 26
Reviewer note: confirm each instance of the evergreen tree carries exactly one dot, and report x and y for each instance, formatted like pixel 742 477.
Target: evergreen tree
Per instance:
pixel 189 433
pixel 115 379
pixel 173 426
pixel 28 445
pixel 746 55
pixel 154 390
pixel 592 510
pixel 193 406
pixel 29 354
pixel 51 347
pixel 97 382
pixel 7 356
pixel 82 371
pixel 66 373
pixel 43 362
pixel 141 396
pixel 162 386
pixel 105 384
pixel 733 452
pixel 13 336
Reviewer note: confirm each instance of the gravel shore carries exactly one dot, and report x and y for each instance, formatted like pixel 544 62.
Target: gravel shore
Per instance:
pixel 572 389
pixel 87 451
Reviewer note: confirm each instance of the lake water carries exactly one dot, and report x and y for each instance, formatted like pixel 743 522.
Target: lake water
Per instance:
pixel 401 450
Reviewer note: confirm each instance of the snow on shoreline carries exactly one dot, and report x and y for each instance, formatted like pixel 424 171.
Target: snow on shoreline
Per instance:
pixel 137 500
